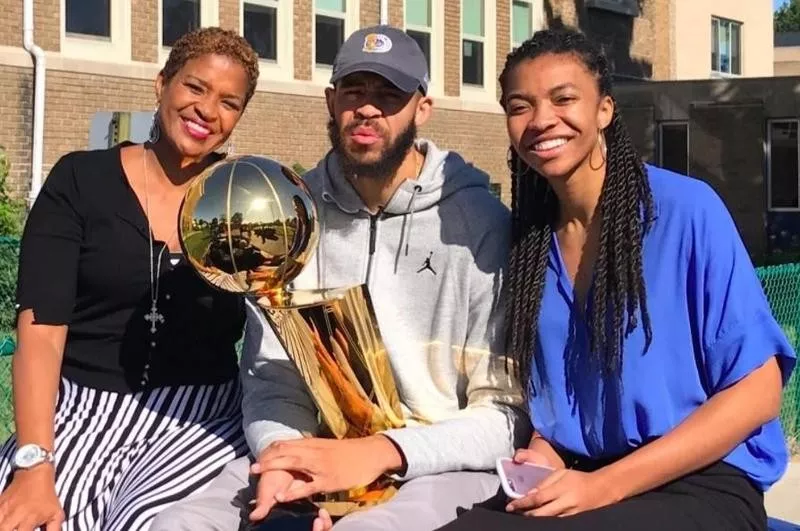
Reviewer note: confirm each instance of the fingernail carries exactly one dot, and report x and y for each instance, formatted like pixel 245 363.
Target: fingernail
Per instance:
pixel 509 508
pixel 280 497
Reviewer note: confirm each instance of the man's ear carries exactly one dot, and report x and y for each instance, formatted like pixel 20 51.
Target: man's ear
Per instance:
pixel 423 111
pixel 330 95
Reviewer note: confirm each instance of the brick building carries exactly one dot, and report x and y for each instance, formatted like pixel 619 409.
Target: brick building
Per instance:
pixel 102 56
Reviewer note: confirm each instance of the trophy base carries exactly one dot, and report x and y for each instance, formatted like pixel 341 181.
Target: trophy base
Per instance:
pixel 340 504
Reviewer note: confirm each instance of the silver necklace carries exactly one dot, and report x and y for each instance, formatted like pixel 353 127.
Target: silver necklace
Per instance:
pixel 153 317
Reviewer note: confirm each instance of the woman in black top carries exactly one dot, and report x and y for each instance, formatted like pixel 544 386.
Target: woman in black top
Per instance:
pixel 126 369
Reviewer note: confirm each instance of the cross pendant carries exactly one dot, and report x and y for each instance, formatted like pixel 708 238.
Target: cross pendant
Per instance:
pixel 153 317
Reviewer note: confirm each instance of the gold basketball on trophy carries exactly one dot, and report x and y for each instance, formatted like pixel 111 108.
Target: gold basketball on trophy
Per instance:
pixel 248 225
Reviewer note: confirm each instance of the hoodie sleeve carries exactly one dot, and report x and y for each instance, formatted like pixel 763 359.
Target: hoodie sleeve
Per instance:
pixel 493 423
pixel 275 405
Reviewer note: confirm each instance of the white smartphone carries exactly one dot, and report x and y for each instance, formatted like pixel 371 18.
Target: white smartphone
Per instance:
pixel 518 479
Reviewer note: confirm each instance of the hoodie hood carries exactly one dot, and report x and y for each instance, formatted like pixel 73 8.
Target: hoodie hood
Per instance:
pixel 442 174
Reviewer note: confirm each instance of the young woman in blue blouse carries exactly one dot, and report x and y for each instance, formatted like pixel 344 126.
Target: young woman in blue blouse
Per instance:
pixel 651 361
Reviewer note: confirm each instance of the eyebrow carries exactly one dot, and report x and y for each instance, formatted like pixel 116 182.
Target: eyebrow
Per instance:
pixel 521 94
pixel 206 85
pixel 563 86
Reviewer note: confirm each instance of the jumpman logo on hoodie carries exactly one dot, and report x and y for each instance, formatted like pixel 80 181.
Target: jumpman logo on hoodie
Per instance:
pixel 427 265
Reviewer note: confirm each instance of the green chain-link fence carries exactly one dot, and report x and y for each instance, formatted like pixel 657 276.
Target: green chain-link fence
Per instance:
pixel 781 283
pixel 9 253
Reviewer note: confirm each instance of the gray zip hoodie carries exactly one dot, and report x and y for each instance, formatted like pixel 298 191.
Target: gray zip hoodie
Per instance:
pixel 433 261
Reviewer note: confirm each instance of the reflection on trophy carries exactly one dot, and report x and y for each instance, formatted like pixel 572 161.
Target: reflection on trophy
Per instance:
pixel 249 225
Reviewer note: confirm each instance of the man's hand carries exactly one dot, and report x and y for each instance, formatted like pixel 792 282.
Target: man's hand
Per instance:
pixel 328 465
pixel 565 492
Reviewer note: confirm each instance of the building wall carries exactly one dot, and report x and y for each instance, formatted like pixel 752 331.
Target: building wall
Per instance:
pixel 787 61
pixel 693 35
pixel 727 122
pixel 639 47
pixel 287 116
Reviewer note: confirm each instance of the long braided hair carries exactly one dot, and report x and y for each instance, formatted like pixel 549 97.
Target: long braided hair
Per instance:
pixel 626 211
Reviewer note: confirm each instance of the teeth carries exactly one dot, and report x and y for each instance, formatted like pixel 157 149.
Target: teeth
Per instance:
pixel 197 127
pixel 550 144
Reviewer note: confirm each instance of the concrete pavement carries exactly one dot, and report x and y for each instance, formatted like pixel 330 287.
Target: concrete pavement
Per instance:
pixel 783 500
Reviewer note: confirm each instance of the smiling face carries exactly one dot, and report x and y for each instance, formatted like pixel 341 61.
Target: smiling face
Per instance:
pixel 373 123
pixel 201 104
pixel 554 112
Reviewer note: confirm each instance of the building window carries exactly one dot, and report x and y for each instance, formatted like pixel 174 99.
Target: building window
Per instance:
pixel 260 27
pixel 178 17
pixel 782 165
pixel 419 25
pixel 623 7
pixel 726 46
pixel 88 17
pixel 329 20
pixel 521 22
pixel 673 147
pixel 472 41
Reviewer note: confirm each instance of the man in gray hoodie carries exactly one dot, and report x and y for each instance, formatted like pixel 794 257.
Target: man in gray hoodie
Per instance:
pixel 420 228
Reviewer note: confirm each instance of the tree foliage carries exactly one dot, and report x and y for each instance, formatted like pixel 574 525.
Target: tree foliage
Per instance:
pixel 787 17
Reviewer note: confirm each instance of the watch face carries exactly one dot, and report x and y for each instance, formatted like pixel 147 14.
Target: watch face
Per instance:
pixel 28 455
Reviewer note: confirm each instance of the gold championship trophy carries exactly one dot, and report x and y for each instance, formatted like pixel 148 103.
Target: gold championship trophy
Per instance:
pixel 249 225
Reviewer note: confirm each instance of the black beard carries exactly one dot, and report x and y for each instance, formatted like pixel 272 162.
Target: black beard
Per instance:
pixel 386 166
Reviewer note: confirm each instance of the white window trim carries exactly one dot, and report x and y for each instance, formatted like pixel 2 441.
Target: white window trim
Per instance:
pixel 117 48
pixel 729 75
pixel 436 31
pixel 209 16
pixel 667 123
pixel 768 155
pixel 321 74
pixel 537 18
pixel 281 69
pixel 487 92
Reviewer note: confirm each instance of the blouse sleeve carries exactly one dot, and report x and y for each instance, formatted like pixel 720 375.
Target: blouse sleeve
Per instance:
pixel 50 247
pixel 739 331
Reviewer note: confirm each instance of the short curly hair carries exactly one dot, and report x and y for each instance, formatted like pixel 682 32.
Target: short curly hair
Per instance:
pixel 213 40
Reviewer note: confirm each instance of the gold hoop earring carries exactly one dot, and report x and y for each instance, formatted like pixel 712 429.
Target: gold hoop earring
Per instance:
pixel 602 145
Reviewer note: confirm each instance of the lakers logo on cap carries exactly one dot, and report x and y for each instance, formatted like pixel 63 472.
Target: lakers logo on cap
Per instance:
pixel 377 43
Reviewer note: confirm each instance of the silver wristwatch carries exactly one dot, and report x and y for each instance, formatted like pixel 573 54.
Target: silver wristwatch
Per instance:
pixel 31 455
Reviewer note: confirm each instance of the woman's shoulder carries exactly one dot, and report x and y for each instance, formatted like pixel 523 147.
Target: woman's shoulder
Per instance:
pixel 683 196
pixel 81 168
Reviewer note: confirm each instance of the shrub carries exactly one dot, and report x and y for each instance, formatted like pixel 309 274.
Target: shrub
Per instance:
pixel 12 211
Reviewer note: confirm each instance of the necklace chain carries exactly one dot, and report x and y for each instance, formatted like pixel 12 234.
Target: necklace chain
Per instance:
pixel 153 316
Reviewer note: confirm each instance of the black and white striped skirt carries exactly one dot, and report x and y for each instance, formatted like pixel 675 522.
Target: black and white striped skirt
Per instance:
pixel 123 458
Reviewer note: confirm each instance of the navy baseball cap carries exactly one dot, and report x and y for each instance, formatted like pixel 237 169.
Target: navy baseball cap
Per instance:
pixel 386 51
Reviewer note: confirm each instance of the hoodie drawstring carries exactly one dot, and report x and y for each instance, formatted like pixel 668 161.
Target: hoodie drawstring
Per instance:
pixel 411 207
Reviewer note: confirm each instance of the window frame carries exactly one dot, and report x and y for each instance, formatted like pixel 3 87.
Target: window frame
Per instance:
pixel 474 38
pixel 209 16
pixel 436 34
pixel 321 73
pixel 282 68
pixel 623 7
pixel 768 156
pixel 715 68
pixel 487 91
pixel 536 20
pixel 672 123
pixel 116 47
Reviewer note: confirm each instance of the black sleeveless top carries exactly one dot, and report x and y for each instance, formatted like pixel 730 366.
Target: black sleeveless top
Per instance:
pixel 84 263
